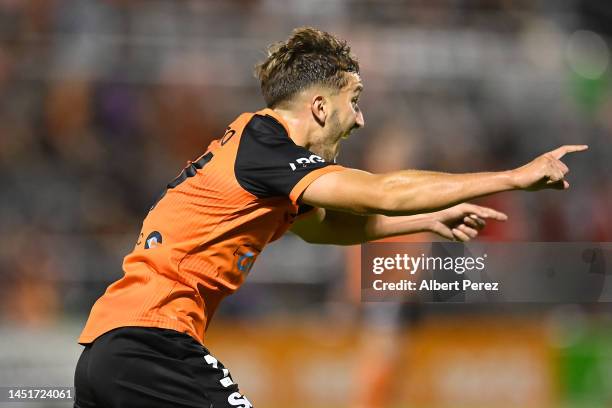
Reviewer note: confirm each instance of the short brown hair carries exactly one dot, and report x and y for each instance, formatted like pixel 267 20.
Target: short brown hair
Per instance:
pixel 309 57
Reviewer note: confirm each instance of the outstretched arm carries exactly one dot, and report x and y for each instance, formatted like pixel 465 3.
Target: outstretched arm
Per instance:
pixel 412 191
pixel 461 223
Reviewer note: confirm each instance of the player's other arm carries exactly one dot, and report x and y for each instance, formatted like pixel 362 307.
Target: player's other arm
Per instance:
pixel 410 192
pixel 462 222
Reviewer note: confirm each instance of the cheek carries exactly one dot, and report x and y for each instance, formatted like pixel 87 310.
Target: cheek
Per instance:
pixel 346 116
pixel 351 120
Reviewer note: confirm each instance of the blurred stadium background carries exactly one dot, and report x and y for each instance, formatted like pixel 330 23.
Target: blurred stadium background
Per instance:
pixel 103 102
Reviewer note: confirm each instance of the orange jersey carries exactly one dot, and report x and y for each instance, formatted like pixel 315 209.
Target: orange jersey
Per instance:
pixel 199 241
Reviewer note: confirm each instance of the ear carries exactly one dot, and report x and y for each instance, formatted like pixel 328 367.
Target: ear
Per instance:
pixel 318 107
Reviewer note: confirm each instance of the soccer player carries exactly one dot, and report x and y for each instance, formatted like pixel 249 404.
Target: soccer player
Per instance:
pixel 271 170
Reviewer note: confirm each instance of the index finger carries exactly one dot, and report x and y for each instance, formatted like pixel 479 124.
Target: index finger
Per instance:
pixel 486 212
pixel 563 150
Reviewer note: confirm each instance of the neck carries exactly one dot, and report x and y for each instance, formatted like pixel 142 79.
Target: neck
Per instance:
pixel 306 133
pixel 298 127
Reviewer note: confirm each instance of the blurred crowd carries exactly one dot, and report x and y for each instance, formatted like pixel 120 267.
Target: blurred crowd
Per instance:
pixel 103 102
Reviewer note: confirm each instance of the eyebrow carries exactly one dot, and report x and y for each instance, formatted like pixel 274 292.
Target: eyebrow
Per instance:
pixel 359 88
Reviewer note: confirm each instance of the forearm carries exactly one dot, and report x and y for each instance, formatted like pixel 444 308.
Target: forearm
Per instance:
pixel 340 228
pixel 382 226
pixel 411 192
pixel 414 191
pixel 406 192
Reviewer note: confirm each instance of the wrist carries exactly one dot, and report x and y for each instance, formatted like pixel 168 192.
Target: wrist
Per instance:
pixel 429 221
pixel 512 179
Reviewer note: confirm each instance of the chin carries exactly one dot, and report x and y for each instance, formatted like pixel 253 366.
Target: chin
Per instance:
pixel 328 153
pixel 329 156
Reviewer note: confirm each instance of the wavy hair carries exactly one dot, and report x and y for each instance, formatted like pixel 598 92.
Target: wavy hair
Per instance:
pixel 309 57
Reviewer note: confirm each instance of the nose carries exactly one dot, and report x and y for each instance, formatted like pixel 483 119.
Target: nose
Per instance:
pixel 359 121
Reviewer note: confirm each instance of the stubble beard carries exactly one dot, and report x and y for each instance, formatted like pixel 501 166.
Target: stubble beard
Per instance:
pixel 327 146
pixel 328 153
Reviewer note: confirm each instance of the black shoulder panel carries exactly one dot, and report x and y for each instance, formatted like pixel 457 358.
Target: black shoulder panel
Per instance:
pixel 268 163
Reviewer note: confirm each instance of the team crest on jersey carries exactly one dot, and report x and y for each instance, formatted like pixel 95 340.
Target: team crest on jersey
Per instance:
pixel 154 239
pixel 244 258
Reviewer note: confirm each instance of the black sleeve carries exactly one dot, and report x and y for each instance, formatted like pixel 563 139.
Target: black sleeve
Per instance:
pixel 268 163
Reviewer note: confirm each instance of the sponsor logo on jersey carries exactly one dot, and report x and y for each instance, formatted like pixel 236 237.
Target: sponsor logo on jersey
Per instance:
pixel 305 161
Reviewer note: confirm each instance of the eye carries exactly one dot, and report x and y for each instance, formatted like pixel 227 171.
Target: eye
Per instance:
pixel 354 102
